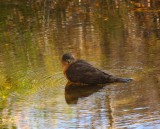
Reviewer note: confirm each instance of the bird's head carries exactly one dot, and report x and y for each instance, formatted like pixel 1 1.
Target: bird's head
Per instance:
pixel 68 59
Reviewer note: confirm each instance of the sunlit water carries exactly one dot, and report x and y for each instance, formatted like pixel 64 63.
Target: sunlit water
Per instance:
pixel 118 37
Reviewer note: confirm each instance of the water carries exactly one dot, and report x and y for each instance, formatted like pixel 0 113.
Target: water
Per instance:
pixel 121 38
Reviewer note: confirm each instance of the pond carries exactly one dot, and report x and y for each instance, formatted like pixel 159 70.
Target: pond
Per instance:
pixel 119 37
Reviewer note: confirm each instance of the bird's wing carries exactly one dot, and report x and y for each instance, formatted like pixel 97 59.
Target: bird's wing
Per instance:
pixel 83 72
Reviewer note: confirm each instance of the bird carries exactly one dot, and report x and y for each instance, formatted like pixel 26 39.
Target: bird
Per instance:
pixel 81 72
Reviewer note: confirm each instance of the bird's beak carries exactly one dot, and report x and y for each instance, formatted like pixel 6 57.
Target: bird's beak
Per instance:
pixel 68 61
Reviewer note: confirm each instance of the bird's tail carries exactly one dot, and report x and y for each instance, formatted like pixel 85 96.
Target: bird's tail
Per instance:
pixel 124 80
pixel 117 79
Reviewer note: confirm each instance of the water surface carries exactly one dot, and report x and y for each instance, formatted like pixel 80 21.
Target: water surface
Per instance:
pixel 121 38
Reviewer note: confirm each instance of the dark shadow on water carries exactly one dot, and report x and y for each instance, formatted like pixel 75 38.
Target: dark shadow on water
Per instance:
pixel 75 91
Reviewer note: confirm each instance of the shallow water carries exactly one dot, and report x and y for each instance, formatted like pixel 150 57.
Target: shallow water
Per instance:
pixel 121 38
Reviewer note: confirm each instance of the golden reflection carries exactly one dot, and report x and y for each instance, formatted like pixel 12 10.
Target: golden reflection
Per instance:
pixel 122 37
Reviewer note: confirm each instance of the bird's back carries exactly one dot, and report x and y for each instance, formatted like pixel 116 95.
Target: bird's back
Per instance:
pixel 83 72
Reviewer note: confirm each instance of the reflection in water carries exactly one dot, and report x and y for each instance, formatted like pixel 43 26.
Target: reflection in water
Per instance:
pixel 122 37
pixel 74 91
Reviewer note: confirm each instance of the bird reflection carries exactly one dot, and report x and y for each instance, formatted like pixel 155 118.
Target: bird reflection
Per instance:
pixel 75 91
